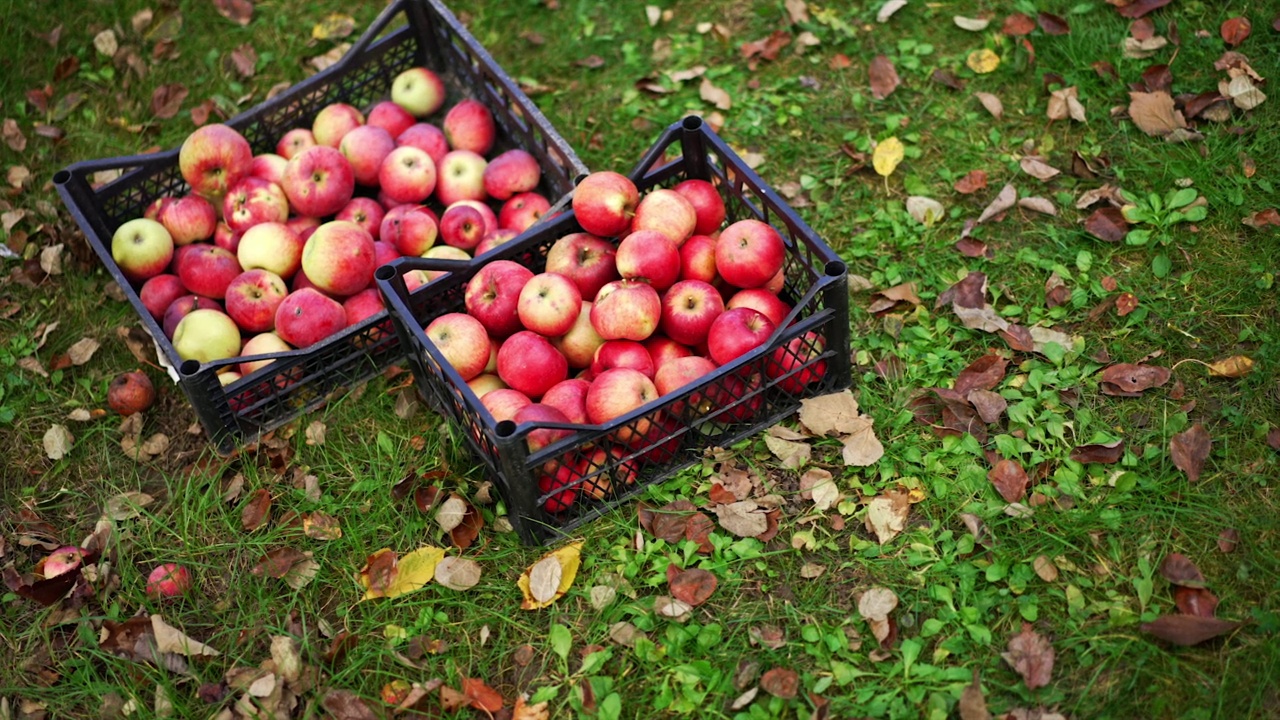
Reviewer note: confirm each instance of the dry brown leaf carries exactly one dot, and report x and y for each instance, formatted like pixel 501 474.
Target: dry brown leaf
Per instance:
pixel 1189 450
pixel 1006 199
pixel 797 11
pixel 1128 380
pixel 862 447
pixel 693 586
pixel 1045 568
pixel 1065 103
pixel 57 442
pixel 973 704
pixel 166 101
pixel 458 573
pixel 887 514
pixel 1155 113
pixel 256 511
pixel 972 182
pixel 836 413
pixel 550 578
pixel 883 77
pixel 792 454
pixel 13 136
pixel 1236 30
pixel 171 640
pixel 237 11
pixel 1031 656
pixel 819 486
pixel 1010 480
pixel 319 525
pixel 714 95
pixel 781 682
pixel 1235 366
pixel 1179 570
pixel 744 518
pixel 991 103
pixel 1188 630
pixel 83 349
pixel 127 506
pixel 1106 453
pixel 1037 168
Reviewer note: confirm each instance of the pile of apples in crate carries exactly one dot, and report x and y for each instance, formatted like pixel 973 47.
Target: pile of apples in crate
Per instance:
pixel 277 251
pixel 674 300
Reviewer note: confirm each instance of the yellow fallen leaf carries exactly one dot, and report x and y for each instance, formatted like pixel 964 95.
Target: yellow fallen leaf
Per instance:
pixel 887 156
pixel 983 61
pixel 334 26
pixel 411 573
pixel 542 583
pixel 1232 367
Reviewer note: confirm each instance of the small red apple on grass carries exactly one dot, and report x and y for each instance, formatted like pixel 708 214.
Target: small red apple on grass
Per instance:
pixel 168 580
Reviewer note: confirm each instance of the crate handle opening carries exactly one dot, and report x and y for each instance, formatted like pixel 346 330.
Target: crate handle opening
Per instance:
pixel 692 123
pixel 835 268
pixel 385 272
pixel 189 368
pixel 505 429
pixel 62 177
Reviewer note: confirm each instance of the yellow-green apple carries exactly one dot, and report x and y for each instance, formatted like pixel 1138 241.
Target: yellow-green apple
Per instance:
pixel 667 212
pixel 522 210
pixel 269 167
pixel 605 202
pixel 338 258
pixel 182 307
pixel 407 175
pixel 461 177
pixel 541 437
pixel 261 344
pixel 142 248
pixel 189 219
pixel 419 91
pixel 579 344
pixel 294 142
pixel 333 122
pixel 159 292
pixel 649 255
pixel 226 238
pixel 688 309
pixel 586 259
pixel 208 269
pixel 168 580
pixel 663 349
pixel 494 239
pixel 559 487
pixel 308 316
pixel 318 181
pixel 225 378
pixel 514 171
pixel 390 117
pixel 796 365
pixel 365 148
pixel 570 398
pixel 486 213
pixel 707 204
pixel 493 295
pixel 384 252
pixel 253 201
pixel 363 305
pixel 626 310
pixel 444 252
pixel 469 126
pixel 412 229
pixel 549 304
pixel 698 259
pixel 504 403
pixel 680 372
pixel 528 362
pixel 427 138
pixel 622 353
pixel 749 253
pixel 130 393
pixel 206 335
pixel 763 300
pixel 253 298
pixel 365 212
pixel 213 158
pixel 616 392
pixel 463 342
pixel 271 246
pixel 492 366
pixel 485 383
pixel 461 226
pixel 737 332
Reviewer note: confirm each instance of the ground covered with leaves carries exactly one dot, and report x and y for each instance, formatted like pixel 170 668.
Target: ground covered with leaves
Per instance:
pixel 1050 492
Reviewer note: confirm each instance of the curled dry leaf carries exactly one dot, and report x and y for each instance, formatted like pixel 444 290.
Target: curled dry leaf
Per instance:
pixel 1155 113
pixel 82 351
pixel 1106 453
pixel 57 442
pixel 1031 656
pixel 1045 568
pixel 127 506
pixel 1010 480
pixel 715 95
pixel 862 447
pixel 1107 223
pixel 1006 199
pixel 1018 24
pixel 1236 30
pixel 1179 570
pixel 1139 8
pixel 972 182
pixel 883 76
pixel 743 519
pixel 1052 24
pixel 166 100
pixel 1128 380
pixel 926 211
pixel 169 639
pixel 237 11
pixel 673 608
pixel 993 106
pixel 973 704
pixel 1228 540
pixel 781 683
pixel 319 525
pixel 1188 630
pixel 693 586
pixel 256 511
pixel 451 512
pixel 888 9
pixel 1195 601
pixel 887 514
pixel 555 573
pixel 1126 303
pixel 971 24
pixel 1189 449
pixel 1233 367
pixel 407 574
pixel 818 485
pixel 832 414
pixel 1038 168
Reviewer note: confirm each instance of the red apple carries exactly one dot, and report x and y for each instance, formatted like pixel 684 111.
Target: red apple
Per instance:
pixel 304 226
pixel 365 148
pixel 362 306
pixel 795 365
pixel 649 255
pixel 130 393
pixel 549 304
pixel 253 298
pixel 529 363
pixel 737 332
pixel 159 292
pixel 333 122
pixel 411 228
pixel 734 398
pixel 365 212
pixel 253 201
pixel 707 204
pixel 495 239
pixel 168 580
pixel 660 443
pixel 262 344
pixel 142 248
pixel 390 117
pixel 339 258
pixel 760 299
pixel 604 470
pixel 226 238
pixel 579 344
pixel 213 158
pixel 749 253
pixel 615 393
pixel 294 142
pixel 523 210
pixel 182 307
pixel 189 219
pixel 208 269
pixel 461 226
pixel 586 259
pixel 605 202
pixel 663 350
pixel 493 296
pixel 626 310
pixel 407 175
pixel 444 252
pixel 688 309
pixel 486 213
pixel 570 398
pixel 206 335
pixel 152 211
pixel 461 177
pixel 514 171
pixel 419 91
pixel 269 167
pixel 666 212
pixel 271 246
pixel 542 437
pixel 559 488
pixel 698 259
pixel 384 252
pixel 427 138
pixel 622 353
pixel 777 282
pixel 463 342
pixel 308 316
pixel 469 126
pixel 318 181
pixel 680 372
pixel 485 383
pixel 504 403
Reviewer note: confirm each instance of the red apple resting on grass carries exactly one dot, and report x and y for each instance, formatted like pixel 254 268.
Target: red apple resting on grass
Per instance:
pixel 698 259
pixel 208 269
pixel 549 304
pixel 667 212
pixel 737 332
pixel 339 258
pixel 497 238
pixel 308 316
pixel 579 344
pixel 294 142
pixel 142 248
pixel 262 344
pixel 167 581
pixel 365 212
pixel 363 305
pixel 605 202
pixel 504 403
pixel 461 177
pixel 795 365
pixel 271 246
pixel 542 437
pixel 749 253
pixel 469 126
pixel 333 122
pixel 253 298
pixel 407 175
pixel 649 255
pixel 486 213
pixel 60 562
pixel 760 299
pixel 189 219
pixel 570 398
pixel 663 349
pixel 182 307
pixel 318 181
pixel 461 226
pixel 688 309
pixel 493 296
pixel 529 363
pixel 206 335
pixel 615 393
pixel 427 138
pixel 708 206
pixel 485 383
pixel 419 91
pixel 213 158
pixel 390 117
pixel 130 393
pixel 444 252
pixel 622 353
pixel 463 342
pixel 586 259
pixel 159 292
pixel 522 211
pixel 269 167
pixel 253 201
pixel 412 229
pixel 514 171
pixel 626 310
pixel 365 148
pixel 563 493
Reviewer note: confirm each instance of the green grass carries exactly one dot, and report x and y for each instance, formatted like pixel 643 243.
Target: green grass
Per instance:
pixel 960 601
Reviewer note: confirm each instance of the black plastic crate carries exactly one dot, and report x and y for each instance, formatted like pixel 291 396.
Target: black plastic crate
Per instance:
pixel 735 401
pixel 300 380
